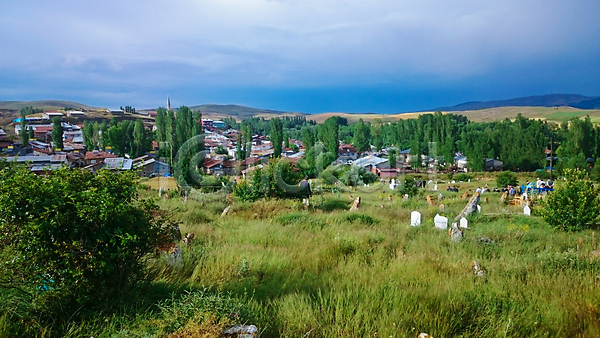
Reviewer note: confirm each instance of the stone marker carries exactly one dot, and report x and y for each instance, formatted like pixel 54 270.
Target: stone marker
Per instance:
pixel 442 207
pixel 424 335
pixel 477 269
pixel 478 208
pixel 441 222
pixel 405 198
pixel 241 331
pixel 464 223
pixel 225 211
pixel 435 187
pixel 470 207
pixel 527 210
pixel 440 197
pixel 356 204
pixel 455 233
pixel 415 218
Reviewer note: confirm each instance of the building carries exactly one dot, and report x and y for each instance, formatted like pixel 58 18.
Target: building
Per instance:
pixel 75 113
pixel 118 163
pixel 372 163
pixel 49 115
pixel 219 124
pixel 92 157
pixel 151 167
pixel 493 165
pixel 348 151
pixel 207 123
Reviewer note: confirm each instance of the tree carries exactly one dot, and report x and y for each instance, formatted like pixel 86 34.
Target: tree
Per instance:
pixel 80 236
pixel 23 133
pixel 57 133
pixel 276 135
pixel 31 133
pixel 506 178
pixel 361 136
pixel 139 138
pixel 574 204
pixel 392 157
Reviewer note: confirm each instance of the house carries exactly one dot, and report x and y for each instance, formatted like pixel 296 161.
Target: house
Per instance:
pixel 347 150
pixel 97 156
pixel 75 113
pixel 3 136
pixel 152 167
pixel 49 115
pixel 40 164
pixel 115 112
pixel 117 163
pixel 372 163
pixel 218 124
pixel 212 166
pixel 387 173
pixel 461 162
pixel 493 165
pixel 207 123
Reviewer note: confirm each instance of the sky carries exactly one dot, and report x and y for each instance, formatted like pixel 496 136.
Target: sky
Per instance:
pixel 311 56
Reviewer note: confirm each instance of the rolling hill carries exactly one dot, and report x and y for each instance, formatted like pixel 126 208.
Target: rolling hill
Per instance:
pixel 43 104
pixel 551 100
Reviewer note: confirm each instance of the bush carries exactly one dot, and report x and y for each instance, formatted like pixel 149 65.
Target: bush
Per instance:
pixel 574 204
pixel 408 187
pixel 462 177
pixel 506 178
pixel 75 236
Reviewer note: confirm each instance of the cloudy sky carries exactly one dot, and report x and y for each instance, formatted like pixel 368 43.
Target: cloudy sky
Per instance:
pixel 311 56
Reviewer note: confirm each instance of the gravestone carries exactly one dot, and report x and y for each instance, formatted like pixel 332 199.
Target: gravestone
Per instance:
pixel 478 208
pixel 415 218
pixel 441 222
pixel 464 223
pixel 455 233
pixel 356 204
pixel 527 210
pixel 225 211
pixel 435 187
pixel 405 198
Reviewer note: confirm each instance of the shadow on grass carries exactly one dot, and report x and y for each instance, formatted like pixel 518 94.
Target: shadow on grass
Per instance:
pixel 330 204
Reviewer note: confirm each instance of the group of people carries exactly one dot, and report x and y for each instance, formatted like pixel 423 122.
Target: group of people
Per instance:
pixel 453 188
pixel 511 190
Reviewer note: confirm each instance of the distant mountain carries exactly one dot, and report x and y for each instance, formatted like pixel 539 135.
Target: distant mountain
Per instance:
pixel 43 104
pixel 551 100
pixel 239 112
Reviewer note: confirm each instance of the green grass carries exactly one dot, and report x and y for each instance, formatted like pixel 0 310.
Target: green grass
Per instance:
pixel 330 272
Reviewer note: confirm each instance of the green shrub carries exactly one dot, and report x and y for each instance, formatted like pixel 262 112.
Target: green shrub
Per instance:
pixel 574 204
pixel 408 187
pixel 462 177
pixel 76 234
pixel 364 219
pixel 506 178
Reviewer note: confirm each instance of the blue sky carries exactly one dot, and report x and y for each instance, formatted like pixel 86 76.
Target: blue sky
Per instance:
pixel 312 56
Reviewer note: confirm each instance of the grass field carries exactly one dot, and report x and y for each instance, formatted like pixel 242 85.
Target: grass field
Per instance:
pixel 326 271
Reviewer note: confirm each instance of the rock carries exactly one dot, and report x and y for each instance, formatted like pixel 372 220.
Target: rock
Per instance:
pixel 504 196
pixel 415 218
pixel 188 238
pixel 225 211
pixel 487 200
pixel 485 240
pixel 440 222
pixel 241 331
pixel 464 223
pixel 390 198
pixel 455 233
pixel 442 207
pixel 356 204
pixel 477 269
pixel 470 207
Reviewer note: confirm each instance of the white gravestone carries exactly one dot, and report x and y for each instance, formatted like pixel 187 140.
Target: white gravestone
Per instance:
pixel 478 208
pixel 435 187
pixel 415 218
pixel 464 223
pixel 527 210
pixel 441 222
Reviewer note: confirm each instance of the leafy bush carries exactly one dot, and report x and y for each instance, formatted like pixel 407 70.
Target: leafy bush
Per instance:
pixel 408 187
pixel 277 180
pixel 77 236
pixel 362 218
pixel 574 204
pixel 462 177
pixel 506 178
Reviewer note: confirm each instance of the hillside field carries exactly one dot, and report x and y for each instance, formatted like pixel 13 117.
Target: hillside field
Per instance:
pixel 325 271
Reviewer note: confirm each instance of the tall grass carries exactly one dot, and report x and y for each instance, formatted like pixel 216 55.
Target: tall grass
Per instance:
pixel 330 272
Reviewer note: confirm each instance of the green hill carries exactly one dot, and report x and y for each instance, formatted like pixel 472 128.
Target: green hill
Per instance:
pixel 43 104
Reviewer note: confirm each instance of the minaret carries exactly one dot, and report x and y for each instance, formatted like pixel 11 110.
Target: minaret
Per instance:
pixel 168 103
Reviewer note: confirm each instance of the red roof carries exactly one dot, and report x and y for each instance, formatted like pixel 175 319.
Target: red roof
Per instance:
pixel 43 129
pixel 347 148
pixel 97 155
pixel 210 162
pixel 210 143
pixel 250 161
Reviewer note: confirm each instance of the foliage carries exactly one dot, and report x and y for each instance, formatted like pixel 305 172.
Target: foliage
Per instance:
pixel 408 187
pixel 462 177
pixel 57 133
pixel 265 182
pixel 77 235
pixel 506 178
pixel 575 203
pixel 276 135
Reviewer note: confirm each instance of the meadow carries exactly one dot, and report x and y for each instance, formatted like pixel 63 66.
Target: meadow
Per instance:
pixel 325 271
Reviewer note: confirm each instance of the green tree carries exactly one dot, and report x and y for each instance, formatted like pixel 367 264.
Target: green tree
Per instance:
pixel 506 178
pixel 57 133
pixel 361 136
pixel 276 135
pixel 81 237
pixel 392 157
pixel 574 204
pixel 139 138
pixel 23 133
pixel 31 133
